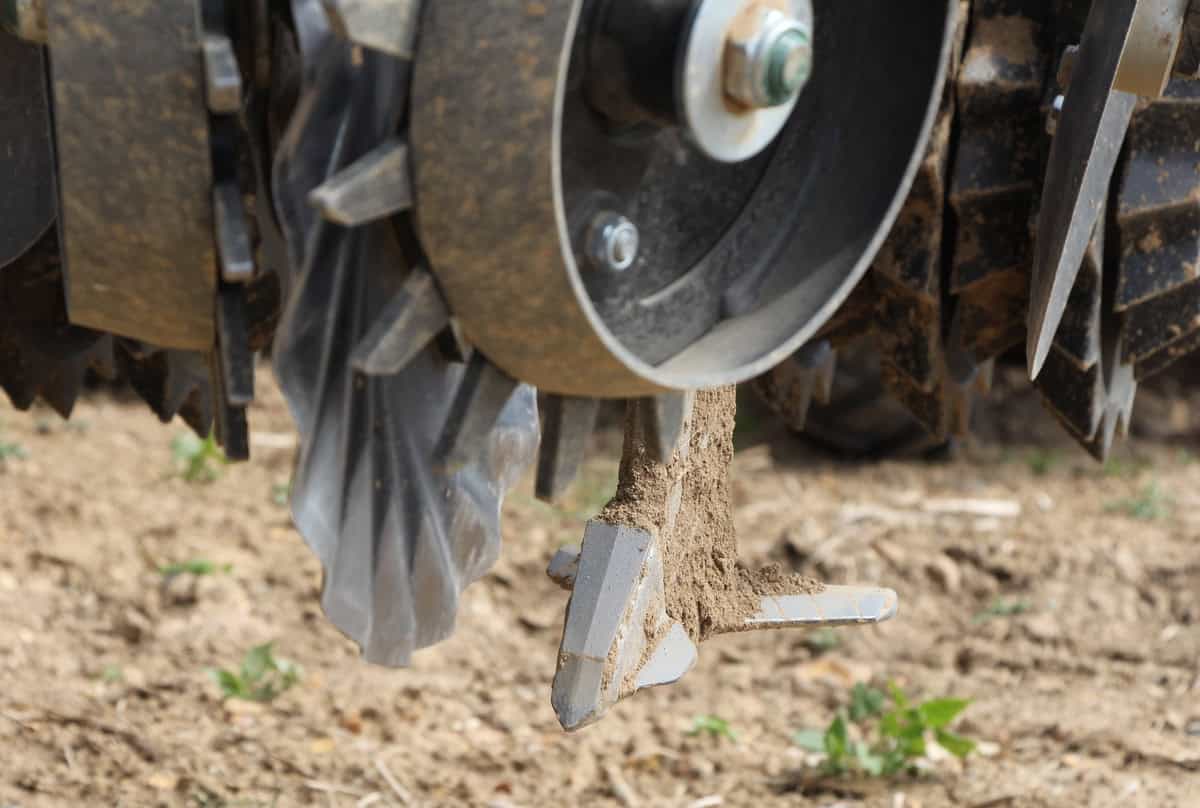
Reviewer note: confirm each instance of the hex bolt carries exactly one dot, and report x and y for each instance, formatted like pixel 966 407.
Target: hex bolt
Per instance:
pixel 25 19
pixel 768 59
pixel 789 64
pixel 613 242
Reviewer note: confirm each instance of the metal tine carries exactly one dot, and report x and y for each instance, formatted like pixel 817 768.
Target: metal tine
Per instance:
pixel 675 655
pixel 823 391
pixel 1121 388
pixel 1090 133
pixel 233 346
pixel 484 391
pixel 617 587
pixel 564 566
pixel 567 424
pixel 832 606
pixel 617 593
pixel 234 252
pixel 408 322
pixel 1072 379
pixel 180 380
pixel 389 26
pixel 230 425
pixel 810 373
pixel 1151 50
pixel 223 78
pixel 233 432
pixel 663 419
pixel 374 187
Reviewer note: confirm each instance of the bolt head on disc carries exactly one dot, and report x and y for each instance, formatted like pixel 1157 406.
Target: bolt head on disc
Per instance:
pixel 735 264
pixel 741 73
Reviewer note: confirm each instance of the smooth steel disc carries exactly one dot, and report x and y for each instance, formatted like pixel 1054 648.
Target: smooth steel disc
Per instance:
pixel 491 86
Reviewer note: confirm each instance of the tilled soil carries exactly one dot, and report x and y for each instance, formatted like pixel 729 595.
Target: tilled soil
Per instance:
pixel 1087 696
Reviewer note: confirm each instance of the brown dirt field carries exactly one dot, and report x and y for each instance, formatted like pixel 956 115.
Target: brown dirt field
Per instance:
pixel 1089 698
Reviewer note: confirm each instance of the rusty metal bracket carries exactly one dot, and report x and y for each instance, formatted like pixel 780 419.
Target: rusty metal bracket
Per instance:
pixel 26 148
pixel 135 168
pixel 1148 58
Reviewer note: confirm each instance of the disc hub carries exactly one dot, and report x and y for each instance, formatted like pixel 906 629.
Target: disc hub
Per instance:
pixel 768 58
pixel 741 72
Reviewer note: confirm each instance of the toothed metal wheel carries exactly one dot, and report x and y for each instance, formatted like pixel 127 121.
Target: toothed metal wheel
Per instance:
pixel 409 439
pixel 1157 220
pixel 42 355
pixel 940 313
pixel 895 325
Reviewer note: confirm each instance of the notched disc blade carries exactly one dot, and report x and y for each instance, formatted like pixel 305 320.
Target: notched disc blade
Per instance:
pixel 399 535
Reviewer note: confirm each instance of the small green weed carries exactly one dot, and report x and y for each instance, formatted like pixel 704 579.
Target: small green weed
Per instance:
pixel 262 677
pixel 281 494
pixel 205 797
pixel 12 451
pixel 196 566
pixel 1125 467
pixel 1149 504
pixel 1001 607
pixel 712 726
pixel 874 738
pixel 596 488
pixel 593 489
pixel 197 460
pixel 1041 461
pixel 112 673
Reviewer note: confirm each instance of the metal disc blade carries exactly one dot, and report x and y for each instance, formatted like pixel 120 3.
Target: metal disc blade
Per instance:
pixel 1083 156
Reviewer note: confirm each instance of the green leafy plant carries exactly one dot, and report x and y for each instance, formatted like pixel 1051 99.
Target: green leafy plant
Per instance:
pixel 1149 504
pixel 197 460
pixel 262 676
pixel 880 739
pixel 196 566
pixel 712 726
pixel 865 703
pixel 1002 607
